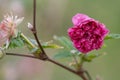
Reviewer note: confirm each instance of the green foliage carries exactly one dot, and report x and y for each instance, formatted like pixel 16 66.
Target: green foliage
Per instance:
pixel 16 41
pixel 68 49
pixel 21 40
pixel 112 36
pixel 48 44
pixel 62 54
pixel 54 46
pixel 34 50
pixel 89 57
pixel 65 42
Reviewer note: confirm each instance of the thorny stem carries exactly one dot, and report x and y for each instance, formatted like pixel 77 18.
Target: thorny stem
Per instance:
pixel 80 73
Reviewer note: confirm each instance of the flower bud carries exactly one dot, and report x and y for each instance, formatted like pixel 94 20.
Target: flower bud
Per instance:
pixel 30 26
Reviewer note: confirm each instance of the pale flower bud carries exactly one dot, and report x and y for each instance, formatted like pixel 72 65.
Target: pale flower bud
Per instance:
pixel 30 26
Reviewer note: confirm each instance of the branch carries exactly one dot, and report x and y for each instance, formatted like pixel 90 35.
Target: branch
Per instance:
pixel 21 55
pixel 43 55
pixel 88 75
pixel 80 74
pixel 34 15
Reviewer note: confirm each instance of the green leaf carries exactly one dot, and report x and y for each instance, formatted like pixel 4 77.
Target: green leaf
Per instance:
pixel 34 50
pixel 89 57
pixel 62 54
pixel 112 36
pixel 68 50
pixel 33 41
pixel 51 45
pixel 48 44
pixel 65 42
pixel 16 42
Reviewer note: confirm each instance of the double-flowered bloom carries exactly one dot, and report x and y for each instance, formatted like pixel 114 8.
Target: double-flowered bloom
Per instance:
pixel 87 34
pixel 8 28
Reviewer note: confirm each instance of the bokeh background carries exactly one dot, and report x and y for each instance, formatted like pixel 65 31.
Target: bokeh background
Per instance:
pixel 54 18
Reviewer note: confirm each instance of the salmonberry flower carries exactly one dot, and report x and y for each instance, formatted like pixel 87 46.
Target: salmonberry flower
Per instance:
pixel 8 28
pixel 87 34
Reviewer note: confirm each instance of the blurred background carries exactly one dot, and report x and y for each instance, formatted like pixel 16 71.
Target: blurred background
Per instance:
pixel 54 18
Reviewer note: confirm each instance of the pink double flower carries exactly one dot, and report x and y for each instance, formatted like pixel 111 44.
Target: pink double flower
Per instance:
pixel 87 34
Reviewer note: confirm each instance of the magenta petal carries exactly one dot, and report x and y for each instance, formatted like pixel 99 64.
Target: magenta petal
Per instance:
pixel 87 34
pixel 79 18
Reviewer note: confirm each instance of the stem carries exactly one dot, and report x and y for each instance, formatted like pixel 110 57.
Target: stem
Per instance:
pixel 76 62
pixel 43 54
pixel 52 61
pixel 69 69
pixel 34 15
pixel 81 74
pixel 88 75
pixel 21 55
pixel 27 40
pixel 85 71
pixel 39 44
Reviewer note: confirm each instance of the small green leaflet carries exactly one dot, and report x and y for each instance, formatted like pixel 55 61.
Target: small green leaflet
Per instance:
pixel 89 57
pixel 112 36
pixel 48 44
pixel 65 42
pixel 62 54
pixel 16 41
pixel 68 48
pixel 54 46
pixel 19 41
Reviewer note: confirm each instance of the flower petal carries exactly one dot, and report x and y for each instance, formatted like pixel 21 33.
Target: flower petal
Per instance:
pixel 79 18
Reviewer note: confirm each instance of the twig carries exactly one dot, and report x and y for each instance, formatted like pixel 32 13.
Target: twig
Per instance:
pixel 77 63
pixel 88 75
pixel 34 15
pixel 43 55
pixel 21 55
pixel 81 74
pixel 69 69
